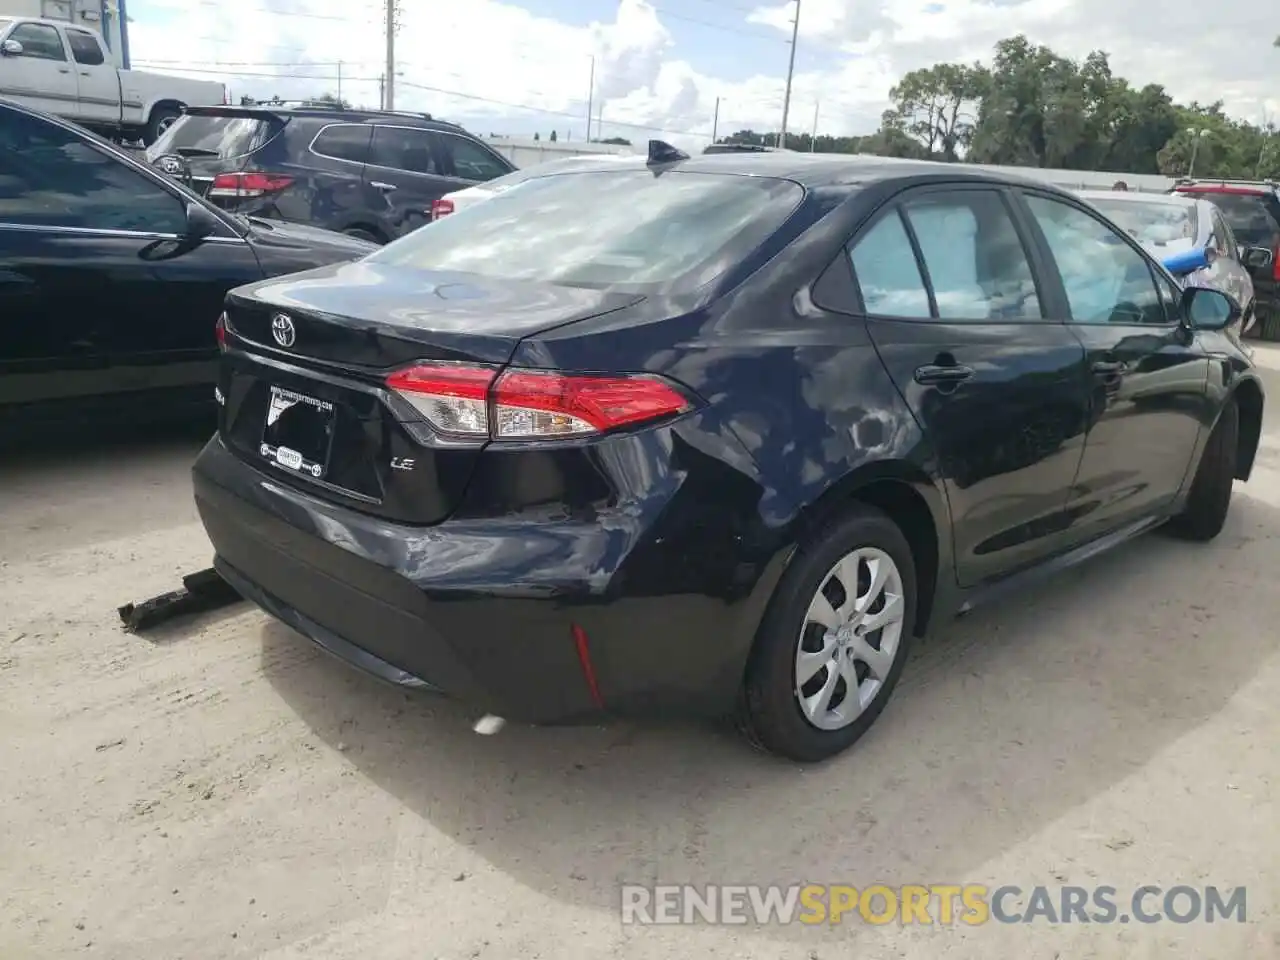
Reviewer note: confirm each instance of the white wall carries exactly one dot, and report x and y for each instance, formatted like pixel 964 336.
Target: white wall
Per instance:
pixel 527 152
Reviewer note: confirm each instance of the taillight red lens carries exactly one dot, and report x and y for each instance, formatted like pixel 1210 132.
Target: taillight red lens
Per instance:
pixel 1275 264
pixel 240 185
pixel 533 404
pixel 466 401
pixel 220 332
pixel 441 208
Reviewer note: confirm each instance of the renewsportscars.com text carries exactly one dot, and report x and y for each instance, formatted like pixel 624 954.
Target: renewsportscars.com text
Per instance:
pixel 941 904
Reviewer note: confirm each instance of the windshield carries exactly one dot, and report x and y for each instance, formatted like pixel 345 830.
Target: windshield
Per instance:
pixel 627 230
pixel 1246 214
pixel 212 137
pixel 1152 224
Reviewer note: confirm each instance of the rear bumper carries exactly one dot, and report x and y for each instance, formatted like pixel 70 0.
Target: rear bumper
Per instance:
pixel 489 612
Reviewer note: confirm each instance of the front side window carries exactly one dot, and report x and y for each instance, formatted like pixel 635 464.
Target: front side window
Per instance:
pixel 888 275
pixel 85 48
pixel 472 161
pixel 974 258
pixel 51 177
pixel 646 233
pixel 39 41
pixel 1106 280
pixel 400 148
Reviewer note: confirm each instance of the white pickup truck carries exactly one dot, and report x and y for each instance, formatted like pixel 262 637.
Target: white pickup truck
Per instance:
pixel 66 70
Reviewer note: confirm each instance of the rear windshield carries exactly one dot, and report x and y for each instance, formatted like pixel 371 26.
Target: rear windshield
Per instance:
pixel 1150 223
pixel 1247 215
pixel 621 230
pixel 205 137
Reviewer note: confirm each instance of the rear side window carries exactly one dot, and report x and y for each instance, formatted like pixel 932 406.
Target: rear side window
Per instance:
pixel 85 48
pixel 1251 218
pixel 887 272
pixel 975 260
pixel 39 41
pixel 344 141
pixel 646 234
pixel 214 137
pixel 402 148
pixel 472 161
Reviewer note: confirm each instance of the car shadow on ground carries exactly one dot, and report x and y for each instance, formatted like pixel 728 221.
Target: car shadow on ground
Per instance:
pixel 1004 721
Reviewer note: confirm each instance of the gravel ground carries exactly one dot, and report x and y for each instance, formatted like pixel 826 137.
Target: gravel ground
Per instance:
pixel 219 789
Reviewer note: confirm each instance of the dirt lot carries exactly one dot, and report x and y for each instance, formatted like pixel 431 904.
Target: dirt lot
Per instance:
pixel 220 789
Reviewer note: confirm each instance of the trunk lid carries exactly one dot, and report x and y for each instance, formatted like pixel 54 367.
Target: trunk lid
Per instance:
pixel 318 389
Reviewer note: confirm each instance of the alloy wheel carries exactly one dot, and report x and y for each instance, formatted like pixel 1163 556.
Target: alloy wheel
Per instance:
pixel 850 638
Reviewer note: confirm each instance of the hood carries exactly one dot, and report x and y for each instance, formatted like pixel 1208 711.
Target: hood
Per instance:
pixel 290 247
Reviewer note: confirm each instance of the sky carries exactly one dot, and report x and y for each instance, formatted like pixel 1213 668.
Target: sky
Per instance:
pixel 656 69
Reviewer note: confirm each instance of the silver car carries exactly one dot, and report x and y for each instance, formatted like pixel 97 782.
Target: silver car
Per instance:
pixel 1166 224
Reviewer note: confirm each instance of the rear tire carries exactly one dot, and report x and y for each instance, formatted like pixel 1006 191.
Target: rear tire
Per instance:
pixel 816 626
pixel 162 118
pixel 1205 514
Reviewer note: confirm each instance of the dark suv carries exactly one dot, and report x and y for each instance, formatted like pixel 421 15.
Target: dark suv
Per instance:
pixel 368 173
pixel 1252 209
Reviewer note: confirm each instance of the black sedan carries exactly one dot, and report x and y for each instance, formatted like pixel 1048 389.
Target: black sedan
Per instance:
pixel 112 278
pixel 728 441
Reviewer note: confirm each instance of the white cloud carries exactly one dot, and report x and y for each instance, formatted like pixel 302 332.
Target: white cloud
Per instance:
pixel 523 73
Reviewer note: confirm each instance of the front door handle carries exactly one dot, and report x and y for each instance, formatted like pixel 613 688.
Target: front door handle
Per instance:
pixel 934 373
pixel 384 187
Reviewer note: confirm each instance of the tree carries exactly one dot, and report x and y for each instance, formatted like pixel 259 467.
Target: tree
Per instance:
pixel 553 136
pixel 329 100
pixel 937 106
pixel 616 141
pixel 535 135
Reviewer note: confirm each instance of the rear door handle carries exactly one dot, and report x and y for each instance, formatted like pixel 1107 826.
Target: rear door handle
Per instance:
pixel 932 373
pixel 1109 368
pixel 384 187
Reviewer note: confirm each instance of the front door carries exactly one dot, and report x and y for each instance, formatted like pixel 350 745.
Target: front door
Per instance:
pixel 99 295
pixel 959 318
pixel 1148 373
pixel 41 75
pixel 405 169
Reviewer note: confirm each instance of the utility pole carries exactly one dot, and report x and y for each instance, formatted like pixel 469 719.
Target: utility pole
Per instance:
pixel 791 69
pixel 813 140
pixel 339 81
pixel 382 92
pixel 591 97
pixel 389 98
pixel 715 121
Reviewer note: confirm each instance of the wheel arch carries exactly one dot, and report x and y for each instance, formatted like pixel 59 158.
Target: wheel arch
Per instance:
pixel 907 495
pixel 1249 401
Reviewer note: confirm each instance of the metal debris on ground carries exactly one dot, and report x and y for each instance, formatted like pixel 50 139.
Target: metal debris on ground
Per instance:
pixel 201 592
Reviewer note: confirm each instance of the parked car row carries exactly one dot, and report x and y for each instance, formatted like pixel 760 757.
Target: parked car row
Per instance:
pixel 370 174
pixel 684 434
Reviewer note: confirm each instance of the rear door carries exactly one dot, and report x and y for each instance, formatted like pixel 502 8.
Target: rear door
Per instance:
pixel 406 169
pixel 41 75
pixel 97 82
pixel 98 295
pixel 961 322
pixel 1148 374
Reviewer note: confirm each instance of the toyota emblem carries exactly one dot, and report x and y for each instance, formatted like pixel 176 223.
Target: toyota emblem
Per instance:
pixel 282 330
pixel 171 165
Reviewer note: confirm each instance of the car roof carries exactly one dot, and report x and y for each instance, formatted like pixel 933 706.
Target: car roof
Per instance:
pixel 1164 199
pixel 327 114
pixel 821 170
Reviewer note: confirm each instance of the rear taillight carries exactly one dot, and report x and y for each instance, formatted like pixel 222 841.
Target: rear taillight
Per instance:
pixel 220 332
pixel 473 401
pixel 241 185
pixel 441 208
pixel 1275 264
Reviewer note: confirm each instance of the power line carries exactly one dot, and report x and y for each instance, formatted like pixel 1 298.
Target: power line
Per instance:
pixel 281 13
pixel 741 31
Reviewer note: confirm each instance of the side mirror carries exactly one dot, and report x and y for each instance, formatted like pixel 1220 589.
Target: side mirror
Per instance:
pixel 1207 309
pixel 1255 258
pixel 11 48
pixel 200 223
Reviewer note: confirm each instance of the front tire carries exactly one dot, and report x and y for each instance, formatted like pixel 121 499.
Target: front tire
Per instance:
pixel 833 643
pixel 1205 514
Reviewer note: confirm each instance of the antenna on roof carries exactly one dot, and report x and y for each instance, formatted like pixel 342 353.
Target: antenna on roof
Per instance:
pixel 661 152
